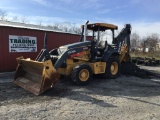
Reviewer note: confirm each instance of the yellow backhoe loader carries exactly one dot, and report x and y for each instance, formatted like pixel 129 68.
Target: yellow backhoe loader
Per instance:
pixel 79 60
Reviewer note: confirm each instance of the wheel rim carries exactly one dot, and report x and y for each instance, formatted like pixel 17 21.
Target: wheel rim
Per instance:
pixel 84 75
pixel 114 68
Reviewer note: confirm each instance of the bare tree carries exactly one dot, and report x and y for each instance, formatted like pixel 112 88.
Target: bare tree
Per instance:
pixel 77 30
pixel 154 38
pixel 56 26
pixel 144 43
pixel 74 29
pixel 135 40
pixel 66 27
pixel 3 15
pixel 15 19
pixel 24 20
pixel 40 23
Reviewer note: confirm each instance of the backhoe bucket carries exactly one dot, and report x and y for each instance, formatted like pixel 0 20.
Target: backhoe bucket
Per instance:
pixel 34 76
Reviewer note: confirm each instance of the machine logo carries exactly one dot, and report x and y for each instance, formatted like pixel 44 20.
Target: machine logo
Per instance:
pixel 72 51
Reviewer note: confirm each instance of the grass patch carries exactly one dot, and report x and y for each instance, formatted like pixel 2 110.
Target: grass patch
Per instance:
pixel 146 54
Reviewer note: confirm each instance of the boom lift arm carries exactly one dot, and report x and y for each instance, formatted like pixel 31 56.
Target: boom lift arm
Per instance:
pixel 122 42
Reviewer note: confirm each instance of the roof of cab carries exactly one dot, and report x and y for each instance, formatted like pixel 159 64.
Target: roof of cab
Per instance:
pixel 103 26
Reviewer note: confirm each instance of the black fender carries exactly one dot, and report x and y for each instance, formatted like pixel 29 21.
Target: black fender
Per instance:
pixel 108 54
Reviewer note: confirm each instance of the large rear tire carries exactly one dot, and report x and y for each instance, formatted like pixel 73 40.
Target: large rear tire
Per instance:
pixel 112 68
pixel 81 74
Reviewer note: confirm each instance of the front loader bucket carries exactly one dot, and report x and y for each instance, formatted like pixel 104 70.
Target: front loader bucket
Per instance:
pixel 34 76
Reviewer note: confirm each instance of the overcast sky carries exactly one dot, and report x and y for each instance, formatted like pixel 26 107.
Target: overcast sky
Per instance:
pixel 143 15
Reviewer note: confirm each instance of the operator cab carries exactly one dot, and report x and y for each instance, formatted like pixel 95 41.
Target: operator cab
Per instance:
pixel 98 28
pixel 98 44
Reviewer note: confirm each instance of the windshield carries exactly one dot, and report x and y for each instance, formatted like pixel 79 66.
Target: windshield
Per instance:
pixel 103 36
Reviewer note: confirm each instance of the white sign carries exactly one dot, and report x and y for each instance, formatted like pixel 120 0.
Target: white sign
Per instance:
pixel 22 43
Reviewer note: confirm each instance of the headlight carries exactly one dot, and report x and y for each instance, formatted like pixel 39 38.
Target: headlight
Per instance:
pixel 62 50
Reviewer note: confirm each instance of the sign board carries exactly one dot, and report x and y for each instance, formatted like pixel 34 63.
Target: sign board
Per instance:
pixel 22 43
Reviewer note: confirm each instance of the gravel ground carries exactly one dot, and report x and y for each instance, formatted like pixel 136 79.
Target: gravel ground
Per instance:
pixel 124 98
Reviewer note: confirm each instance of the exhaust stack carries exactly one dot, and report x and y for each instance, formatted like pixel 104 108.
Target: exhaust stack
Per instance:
pixel 85 30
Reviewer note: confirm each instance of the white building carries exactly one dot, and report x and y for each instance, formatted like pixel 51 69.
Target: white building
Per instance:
pixel 158 47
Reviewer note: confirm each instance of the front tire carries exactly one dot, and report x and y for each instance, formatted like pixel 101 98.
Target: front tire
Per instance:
pixel 81 74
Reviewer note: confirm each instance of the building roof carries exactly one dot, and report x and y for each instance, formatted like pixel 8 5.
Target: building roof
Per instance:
pixel 29 26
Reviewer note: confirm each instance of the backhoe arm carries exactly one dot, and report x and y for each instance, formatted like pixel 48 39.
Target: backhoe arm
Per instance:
pixel 123 43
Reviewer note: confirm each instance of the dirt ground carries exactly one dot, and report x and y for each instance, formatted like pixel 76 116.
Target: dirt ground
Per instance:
pixel 124 98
